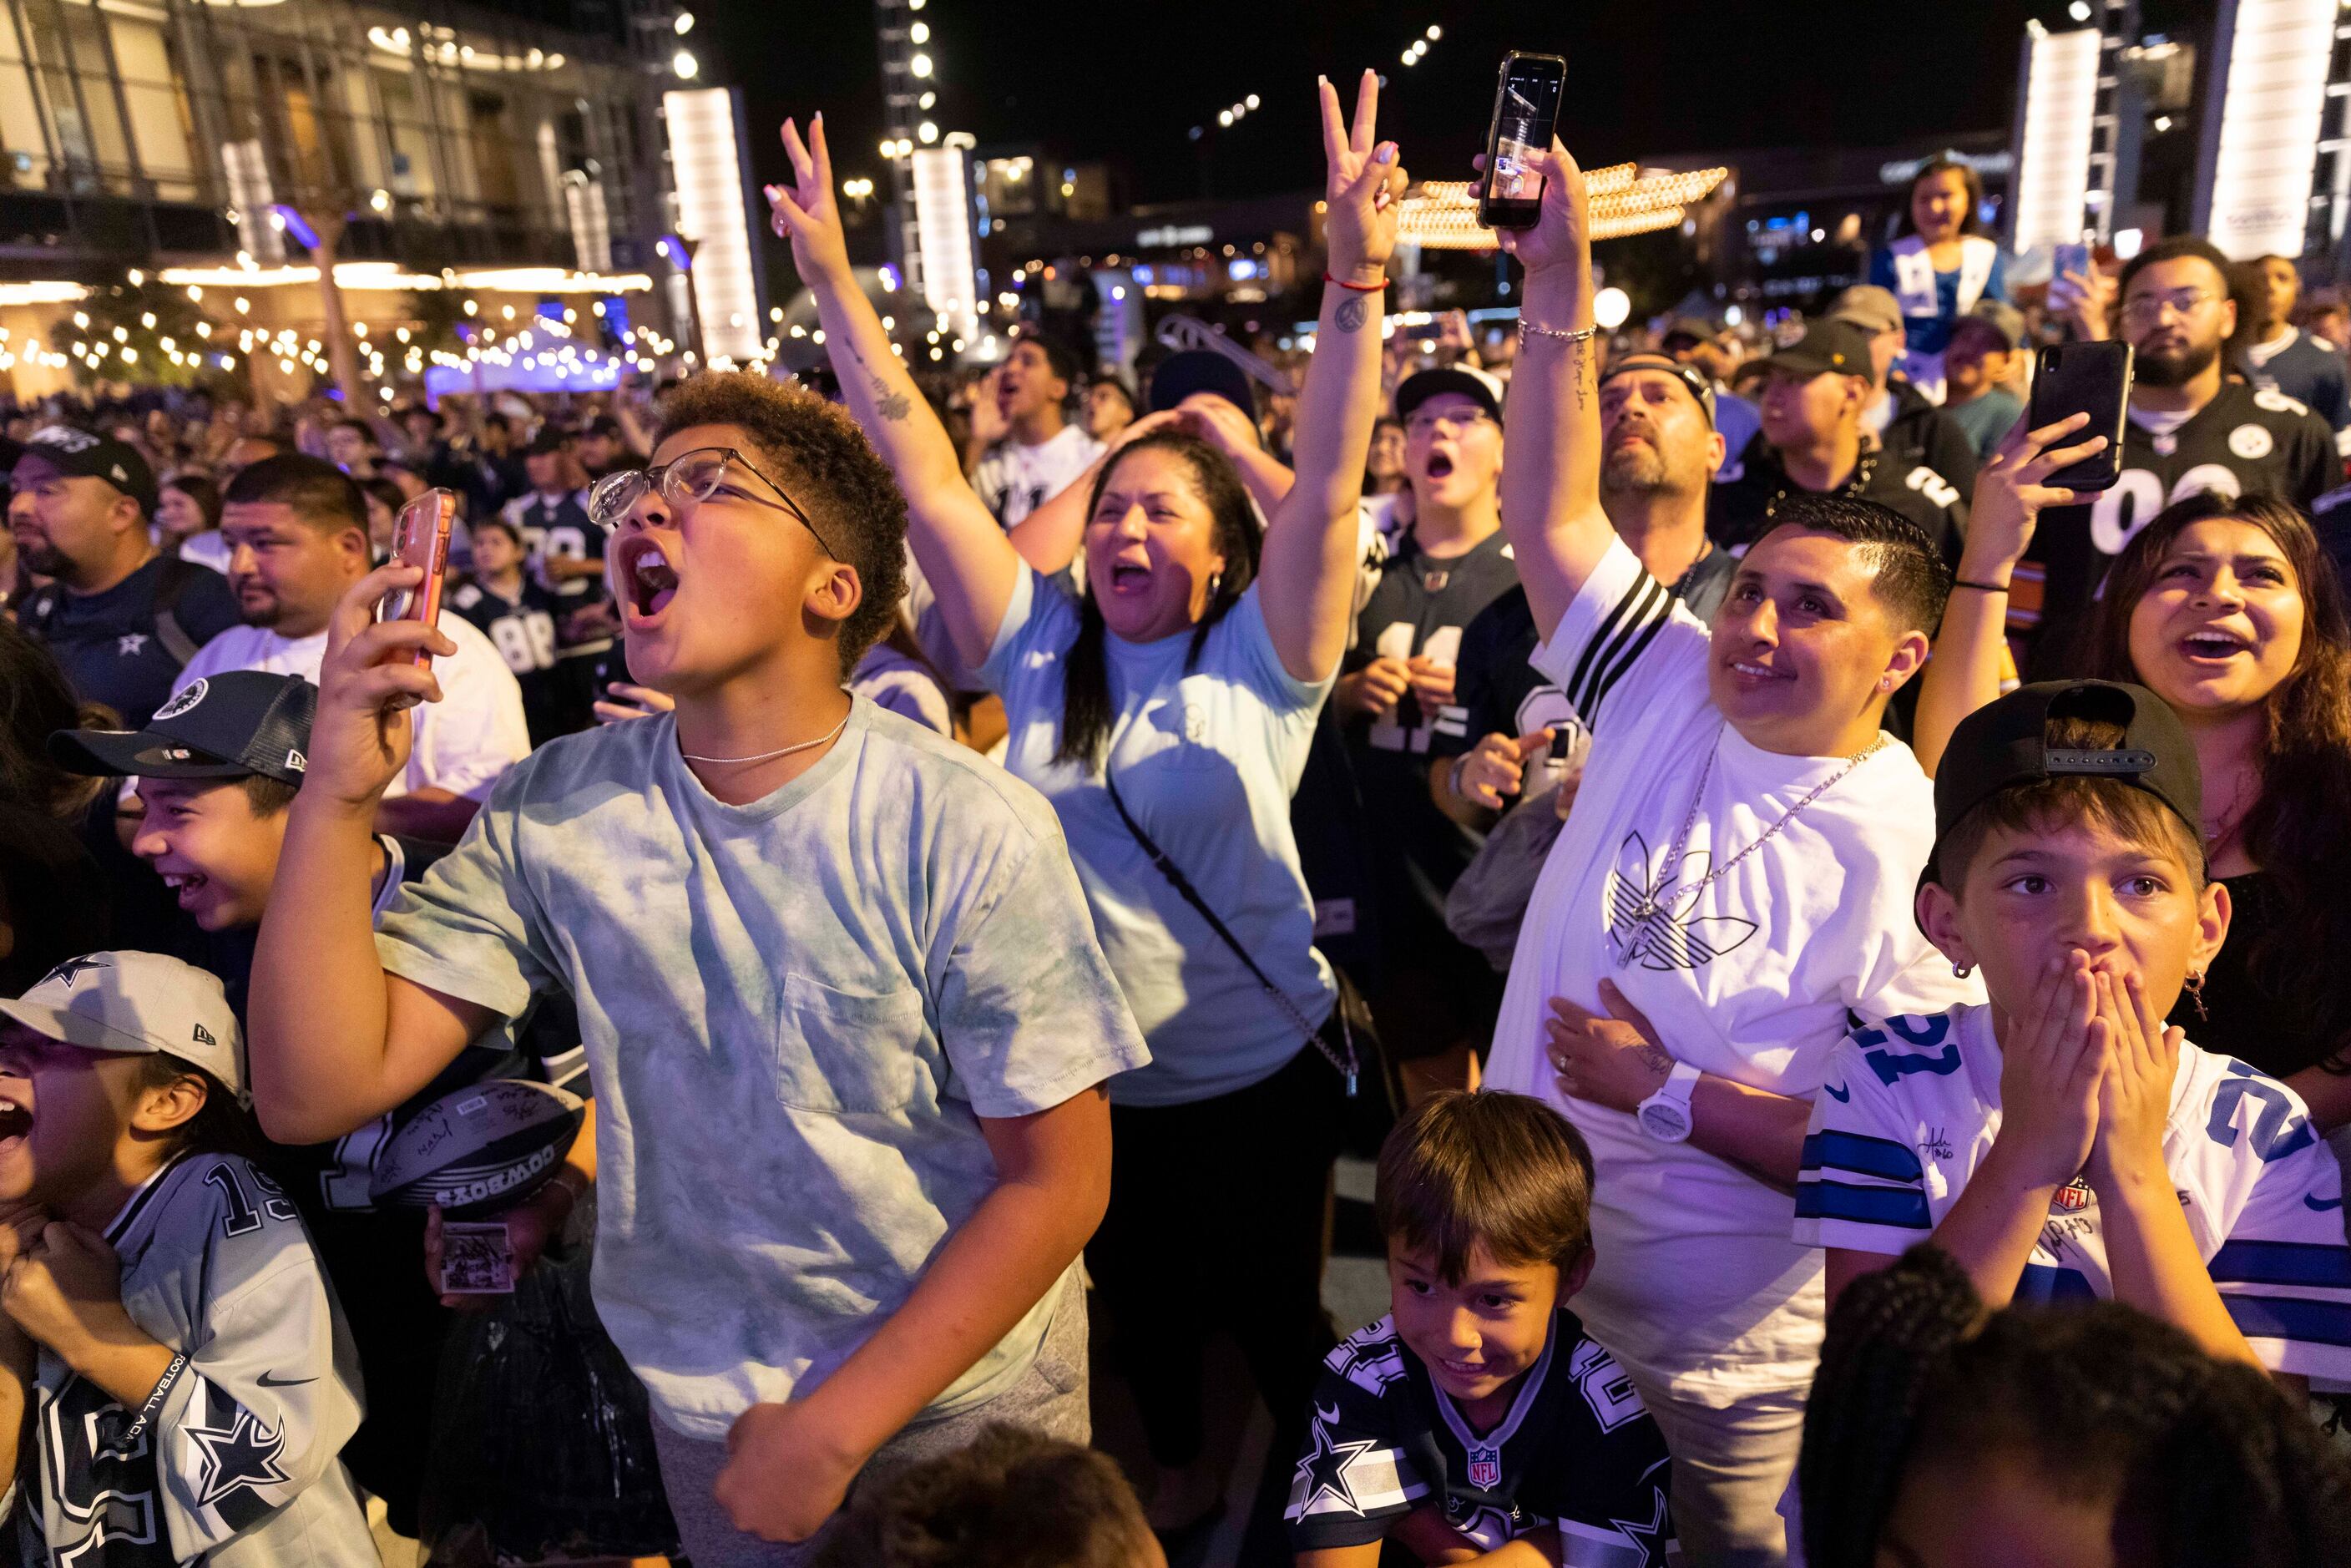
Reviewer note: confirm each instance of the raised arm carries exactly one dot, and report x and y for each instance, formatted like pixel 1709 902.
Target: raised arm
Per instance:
pixel 971 566
pixel 1550 467
pixel 1306 581
pixel 1965 672
pixel 1051 536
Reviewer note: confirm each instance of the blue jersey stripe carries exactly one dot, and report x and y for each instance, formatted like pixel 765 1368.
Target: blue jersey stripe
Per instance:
pixel 2282 1263
pixel 1862 1156
pixel 1897 1205
pixel 2046 1282
pixel 2290 1317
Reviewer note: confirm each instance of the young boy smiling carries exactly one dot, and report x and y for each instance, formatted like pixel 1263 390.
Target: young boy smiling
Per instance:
pixel 1478 1422
pixel 2062 1142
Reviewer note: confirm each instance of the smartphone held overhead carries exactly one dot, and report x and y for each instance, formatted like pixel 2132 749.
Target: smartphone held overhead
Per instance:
pixel 420 538
pixel 1526 113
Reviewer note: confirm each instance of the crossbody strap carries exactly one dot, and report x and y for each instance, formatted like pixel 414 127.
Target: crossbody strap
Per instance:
pixel 1191 895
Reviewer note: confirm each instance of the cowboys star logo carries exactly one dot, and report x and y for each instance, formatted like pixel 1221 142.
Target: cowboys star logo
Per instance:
pixel 1650 911
pixel 127 646
pixel 239 1456
pixel 1322 1471
pixel 66 972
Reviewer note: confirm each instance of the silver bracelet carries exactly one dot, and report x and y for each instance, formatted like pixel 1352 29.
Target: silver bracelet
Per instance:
pixel 1527 326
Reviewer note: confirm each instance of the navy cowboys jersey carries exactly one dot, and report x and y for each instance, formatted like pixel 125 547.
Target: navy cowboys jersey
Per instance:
pixel 238 1467
pixel 1577 1449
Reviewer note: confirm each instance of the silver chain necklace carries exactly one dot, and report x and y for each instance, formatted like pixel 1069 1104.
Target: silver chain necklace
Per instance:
pixel 779 751
pixel 1651 908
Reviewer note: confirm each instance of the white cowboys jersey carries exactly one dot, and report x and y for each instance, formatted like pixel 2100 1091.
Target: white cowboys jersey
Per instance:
pixel 1911 1106
pixel 238 1467
pixel 1576 1449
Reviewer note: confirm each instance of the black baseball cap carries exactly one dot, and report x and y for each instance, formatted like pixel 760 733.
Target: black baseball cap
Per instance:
pixel 2005 743
pixel 1689 326
pixel 1474 384
pixel 1829 347
pixel 1689 376
pixel 549 439
pixel 84 455
pixel 1180 375
pixel 229 726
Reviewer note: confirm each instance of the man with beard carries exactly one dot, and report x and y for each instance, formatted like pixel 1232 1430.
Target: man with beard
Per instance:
pixel 1036 451
pixel 298 537
pixel 120 618
pixel 1659 453
pixel 2189 431
pixel 1435 996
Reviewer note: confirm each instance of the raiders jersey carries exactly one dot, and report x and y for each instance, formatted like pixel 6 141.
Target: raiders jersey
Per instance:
pixel 1577 1449
pixel 236 1465
pixel 2244 442
pixel 1910 1108
pixel 1739 511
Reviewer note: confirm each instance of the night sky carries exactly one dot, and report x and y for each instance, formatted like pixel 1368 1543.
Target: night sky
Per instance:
pixel 1123 83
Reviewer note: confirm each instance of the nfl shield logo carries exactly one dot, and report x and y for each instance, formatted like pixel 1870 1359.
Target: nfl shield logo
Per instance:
pixel 2071 1198
pixel 1485 1469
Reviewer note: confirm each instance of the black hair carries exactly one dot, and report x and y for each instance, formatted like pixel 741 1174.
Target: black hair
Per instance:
pixel 828 467
pixel 206 495
pixel 1086 713
pixel 52 902
pixel 314 489
pixel 36 701
pixel 1969 224
pixel 2175 247
pixel 1493 1169
pixel 1058 356
pixel 220 1126
pixel 1011 1498
pixel 1912 579
pixel 386 492
pixel 499 523
pixel 2210 1465
pixel 367 430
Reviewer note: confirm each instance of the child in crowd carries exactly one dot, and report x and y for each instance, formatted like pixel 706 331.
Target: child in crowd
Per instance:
pixel 2076 1434
pixel 518 615
pixel 215 774
pixel 1479 1417
pixel 189 1378
pixel 2062 1142
pixel 1014 1498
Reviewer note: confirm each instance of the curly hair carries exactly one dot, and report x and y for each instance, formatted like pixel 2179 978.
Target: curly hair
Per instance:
pixel 829 468
pixel 2205 1460
pixel 2295 831
pixel 1086 714
pixel 1012 1500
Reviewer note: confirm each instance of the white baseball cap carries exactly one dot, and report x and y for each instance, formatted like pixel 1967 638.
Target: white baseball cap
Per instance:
pixel 138 1002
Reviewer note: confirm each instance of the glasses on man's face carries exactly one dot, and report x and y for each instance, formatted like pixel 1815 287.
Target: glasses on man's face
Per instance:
pixel 688 480
pixel 2147 310
pixel 1458 419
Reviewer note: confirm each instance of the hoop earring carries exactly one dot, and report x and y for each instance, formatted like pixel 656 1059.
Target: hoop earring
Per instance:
pixel 1961 971
pixel 2195 989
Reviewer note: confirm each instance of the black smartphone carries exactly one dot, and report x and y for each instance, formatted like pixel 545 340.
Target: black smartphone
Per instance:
pixel 2084 378
pixel 1526 111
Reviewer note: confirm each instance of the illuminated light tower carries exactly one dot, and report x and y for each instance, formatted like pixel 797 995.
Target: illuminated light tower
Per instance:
pixel 909 84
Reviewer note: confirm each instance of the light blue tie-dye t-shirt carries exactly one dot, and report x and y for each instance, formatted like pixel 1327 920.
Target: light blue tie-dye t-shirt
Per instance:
pixel 794 1012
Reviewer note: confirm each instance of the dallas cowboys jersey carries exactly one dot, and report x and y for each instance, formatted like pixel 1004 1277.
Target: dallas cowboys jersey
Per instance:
pixel 559 526
pixel 238 1464
pixel 523 630
pixel 1911 1106
pixel 1577 1449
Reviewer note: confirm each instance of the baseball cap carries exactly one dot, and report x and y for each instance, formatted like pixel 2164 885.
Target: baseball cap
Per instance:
pixel 2005 743
pixel 1180 375
pixel 549 439
pixel 85 455
pixel 1689 375
pixel 1869 307
pixel 1688 327
pixel 1829 347
pixel 603 424
pixel 141 1003
pixel 228 725
pixel 1467 379
pixel 2003 318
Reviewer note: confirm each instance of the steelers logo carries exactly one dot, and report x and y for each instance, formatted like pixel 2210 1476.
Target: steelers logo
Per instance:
pixel 2251 443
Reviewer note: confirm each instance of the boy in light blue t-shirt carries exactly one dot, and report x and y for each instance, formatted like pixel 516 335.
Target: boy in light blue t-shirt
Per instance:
pixel 844 1012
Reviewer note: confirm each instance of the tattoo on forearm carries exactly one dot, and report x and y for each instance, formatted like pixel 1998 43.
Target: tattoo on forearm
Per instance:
pixel 1579 365
pixel 1353 312
pixel 892 406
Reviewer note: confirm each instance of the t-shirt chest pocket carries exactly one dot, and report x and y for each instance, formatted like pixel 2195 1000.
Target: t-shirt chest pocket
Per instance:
pixel 846 1053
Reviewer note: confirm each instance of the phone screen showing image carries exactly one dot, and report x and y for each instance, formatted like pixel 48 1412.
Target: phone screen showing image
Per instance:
pixel 1525 110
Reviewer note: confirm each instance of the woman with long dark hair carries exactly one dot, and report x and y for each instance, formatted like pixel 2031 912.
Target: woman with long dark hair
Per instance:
pixel 1166 713
pixel 2231 611
pixel 1940 265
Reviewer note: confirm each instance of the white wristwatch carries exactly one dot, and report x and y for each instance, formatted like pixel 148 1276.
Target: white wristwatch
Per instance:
pixel 1665 1115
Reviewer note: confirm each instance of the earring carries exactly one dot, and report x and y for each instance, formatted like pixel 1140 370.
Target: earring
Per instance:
pixel 1216 583
pixel 1961 971
pixel 1885 683
pixel 2195 989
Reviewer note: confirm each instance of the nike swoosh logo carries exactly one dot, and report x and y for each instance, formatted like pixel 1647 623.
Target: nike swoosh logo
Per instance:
pixel 2310 1200
pixel 1840 1096
pixel 270 1380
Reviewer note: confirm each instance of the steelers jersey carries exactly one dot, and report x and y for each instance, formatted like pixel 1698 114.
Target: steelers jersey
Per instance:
pixel 236 1465
pixel 1577 1449
pixel 1910 1108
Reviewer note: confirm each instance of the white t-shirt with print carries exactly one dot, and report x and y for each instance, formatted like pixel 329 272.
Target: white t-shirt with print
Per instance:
pixel 1698 1288
pixel 474 732
pixel 1014 480
pixel 1911 1106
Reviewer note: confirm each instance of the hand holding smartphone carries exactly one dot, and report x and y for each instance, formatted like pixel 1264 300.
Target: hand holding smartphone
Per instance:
pixel 420 538
pixel 2084 378
pixel 1526 114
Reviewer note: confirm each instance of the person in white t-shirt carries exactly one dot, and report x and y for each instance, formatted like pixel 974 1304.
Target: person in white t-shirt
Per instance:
pixel 1040 453
pixel 296 531
pixel 1735 877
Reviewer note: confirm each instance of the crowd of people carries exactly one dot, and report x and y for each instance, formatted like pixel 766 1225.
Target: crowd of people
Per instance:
pixel 1831 937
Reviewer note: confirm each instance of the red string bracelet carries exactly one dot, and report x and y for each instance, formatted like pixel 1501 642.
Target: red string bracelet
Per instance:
pixel 1356 288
